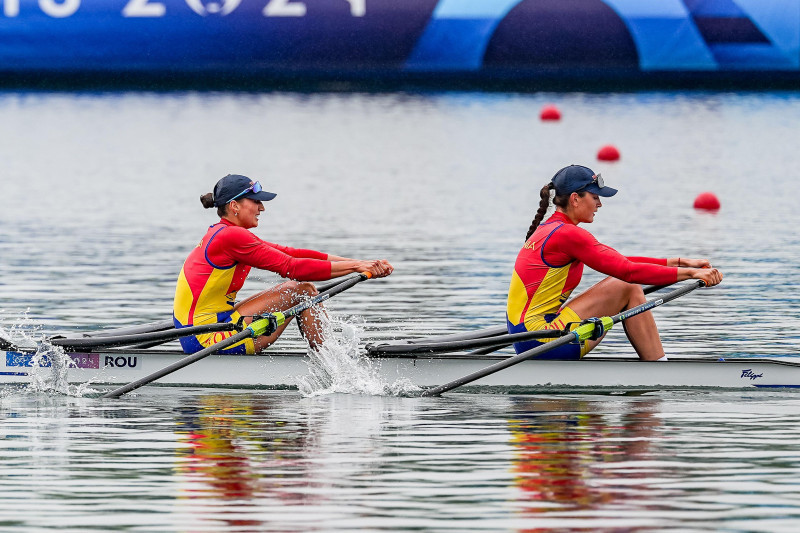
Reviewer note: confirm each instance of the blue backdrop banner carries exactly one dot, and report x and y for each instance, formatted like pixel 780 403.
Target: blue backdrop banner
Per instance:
pixel 393 39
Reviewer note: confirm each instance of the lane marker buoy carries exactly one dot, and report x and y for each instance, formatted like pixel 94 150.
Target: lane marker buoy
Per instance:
pixel 608 152
pixel 550 112
pixel 707 201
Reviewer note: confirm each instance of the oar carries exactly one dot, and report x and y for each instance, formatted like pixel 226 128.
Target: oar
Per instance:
pixel 149 335
pixel 323 286
pixel 484 341
pixel 500 341
pixel 155 337
pixel 261 325
pixel 590 329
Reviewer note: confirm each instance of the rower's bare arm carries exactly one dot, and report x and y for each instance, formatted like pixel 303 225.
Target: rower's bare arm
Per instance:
pixel 688 262
pixel 379 268
pixel 332 257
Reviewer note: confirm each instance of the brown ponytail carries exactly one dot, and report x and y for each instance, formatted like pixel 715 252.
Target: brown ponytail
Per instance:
pixel 208 202
pixel 544 203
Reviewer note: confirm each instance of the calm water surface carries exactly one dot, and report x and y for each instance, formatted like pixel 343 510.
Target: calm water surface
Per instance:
pixel 102 207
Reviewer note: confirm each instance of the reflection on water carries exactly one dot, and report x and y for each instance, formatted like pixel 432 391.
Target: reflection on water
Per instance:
pixel 234 457
pixel 563 444
pixel 197 460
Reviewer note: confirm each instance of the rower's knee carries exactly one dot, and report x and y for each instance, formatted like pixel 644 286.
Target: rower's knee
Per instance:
pixel 305 288
pixel 300 288
pixel 635 293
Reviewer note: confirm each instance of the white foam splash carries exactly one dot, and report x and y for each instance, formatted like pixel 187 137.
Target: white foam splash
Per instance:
pixel 48 365
pixel 48 372
pixel 339 367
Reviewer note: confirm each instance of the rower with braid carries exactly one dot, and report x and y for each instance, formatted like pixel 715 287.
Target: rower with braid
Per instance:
pixel 550 266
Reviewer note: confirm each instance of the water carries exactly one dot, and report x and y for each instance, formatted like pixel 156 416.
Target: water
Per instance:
pixel 101 207
pixel 219 460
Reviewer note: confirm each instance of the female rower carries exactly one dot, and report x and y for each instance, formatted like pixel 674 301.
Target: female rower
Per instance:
pixel 216 269
pixel 550 266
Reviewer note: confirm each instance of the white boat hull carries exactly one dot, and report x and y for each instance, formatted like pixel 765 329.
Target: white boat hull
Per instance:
pixel 282 370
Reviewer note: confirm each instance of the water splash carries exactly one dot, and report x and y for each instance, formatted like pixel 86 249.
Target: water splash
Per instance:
pixel 49 372
pixel 338 366
pixel 48 366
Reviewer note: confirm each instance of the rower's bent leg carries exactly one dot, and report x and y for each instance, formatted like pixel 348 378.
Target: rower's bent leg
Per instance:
pixel 312 325
pixel 611 296
pixel 279 298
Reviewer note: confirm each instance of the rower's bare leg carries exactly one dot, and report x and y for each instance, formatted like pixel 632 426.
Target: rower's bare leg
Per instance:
pixel 280 298
pixel 311 324
pixel 611 296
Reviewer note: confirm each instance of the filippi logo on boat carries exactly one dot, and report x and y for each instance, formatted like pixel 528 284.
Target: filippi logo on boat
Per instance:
pixel 748 373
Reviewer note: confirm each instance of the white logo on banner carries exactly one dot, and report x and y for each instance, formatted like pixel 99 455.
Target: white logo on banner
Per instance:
pixel 224 7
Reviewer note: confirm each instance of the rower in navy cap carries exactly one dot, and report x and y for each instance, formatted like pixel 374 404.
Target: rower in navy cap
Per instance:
pixel 550 266
pixel 216 269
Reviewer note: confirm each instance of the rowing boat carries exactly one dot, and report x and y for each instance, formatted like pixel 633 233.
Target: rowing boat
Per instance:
pixel 283 370
pixel 136 356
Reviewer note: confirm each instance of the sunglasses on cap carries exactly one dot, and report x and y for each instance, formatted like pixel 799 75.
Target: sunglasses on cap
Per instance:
pixel 596 179
pixel 254 188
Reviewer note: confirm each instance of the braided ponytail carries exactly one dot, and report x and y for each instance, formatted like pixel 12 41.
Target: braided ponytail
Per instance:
pixel 544 203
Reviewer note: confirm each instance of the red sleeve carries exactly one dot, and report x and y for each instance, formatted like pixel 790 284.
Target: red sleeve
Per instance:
pixel 580 244
pixel 239 245
pixel 654 260
pixel 299 252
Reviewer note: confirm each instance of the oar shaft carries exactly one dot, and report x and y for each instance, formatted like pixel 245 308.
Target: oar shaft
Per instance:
pixel 158 337
pixel 647 306
pixel 177 365
pixel 323 286
pixel 321 297
pixel 500 365
pixel 499 341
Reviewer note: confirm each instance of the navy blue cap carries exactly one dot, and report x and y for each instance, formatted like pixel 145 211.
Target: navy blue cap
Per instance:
pixel 576 178
pixel 233 185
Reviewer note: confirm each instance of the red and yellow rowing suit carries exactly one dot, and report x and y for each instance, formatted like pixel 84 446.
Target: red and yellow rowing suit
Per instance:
pixel 550 266
pixel 217 268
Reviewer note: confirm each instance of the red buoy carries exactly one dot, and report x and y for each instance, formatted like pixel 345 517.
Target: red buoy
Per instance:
pixel 707 201
pixel 550 112
pixel 608 152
